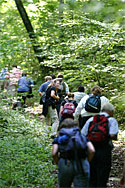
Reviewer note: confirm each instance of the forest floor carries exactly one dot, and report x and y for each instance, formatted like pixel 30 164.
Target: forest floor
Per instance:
pixel 118 157
pixel 118 154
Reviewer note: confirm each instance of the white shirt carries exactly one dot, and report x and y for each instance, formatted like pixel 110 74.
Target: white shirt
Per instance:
pixel 80 110
pixel 66 87
pixel 78 96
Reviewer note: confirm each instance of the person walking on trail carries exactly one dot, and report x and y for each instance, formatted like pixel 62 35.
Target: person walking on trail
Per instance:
pixel 72 153
pixel 13 76
pixel 43 88
pixel 68 107
pixel 79 94
pixel 64 90
pixel 25 87
pixel 101 130
pixel 63 86
pixel 49 107
pixel 82 114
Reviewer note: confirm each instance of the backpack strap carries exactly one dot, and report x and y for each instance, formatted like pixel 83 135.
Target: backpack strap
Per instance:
pixel 78 166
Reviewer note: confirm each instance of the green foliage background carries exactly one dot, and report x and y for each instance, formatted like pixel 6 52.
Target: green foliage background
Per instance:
pixel 25 158
pixel 82 39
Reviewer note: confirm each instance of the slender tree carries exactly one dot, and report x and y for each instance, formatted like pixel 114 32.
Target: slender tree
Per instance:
pixel 29 29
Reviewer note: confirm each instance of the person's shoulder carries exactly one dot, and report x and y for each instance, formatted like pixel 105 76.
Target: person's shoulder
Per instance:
pixel 52 88
pixel 103 97
pixel 43 84
pixel 85 98
pixel 112 120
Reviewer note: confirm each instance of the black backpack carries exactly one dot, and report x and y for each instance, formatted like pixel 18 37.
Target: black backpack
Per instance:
pixel 43 99
pixel 93 104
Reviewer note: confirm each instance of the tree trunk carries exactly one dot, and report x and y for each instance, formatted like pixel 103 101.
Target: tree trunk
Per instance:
pixel 29 29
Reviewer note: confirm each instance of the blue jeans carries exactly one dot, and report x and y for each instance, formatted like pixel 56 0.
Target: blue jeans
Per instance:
pixel 67 174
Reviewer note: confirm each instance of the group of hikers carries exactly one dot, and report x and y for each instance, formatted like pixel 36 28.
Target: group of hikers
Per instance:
pixel 16 83
pixel 82 127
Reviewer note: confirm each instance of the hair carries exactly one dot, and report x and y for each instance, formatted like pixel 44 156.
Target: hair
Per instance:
pixel 96 90
pixel 68 123
pixel 53 76
pixel 52 83
pixel 47 78
pixel 81 89
pixel 14 66
pixel 107 107
pixel 24 74
pixel 60 75
pixel 70 95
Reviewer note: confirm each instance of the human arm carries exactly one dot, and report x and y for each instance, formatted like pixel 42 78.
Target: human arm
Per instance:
pixel 40 93
pixel 91 151
pixel 31 84
pixel 53 95
pixel 55 153
pixel 67 88
pixel 113 128
pixel 41 90
pixel 113 136
pixel 80 107
pixel 61 108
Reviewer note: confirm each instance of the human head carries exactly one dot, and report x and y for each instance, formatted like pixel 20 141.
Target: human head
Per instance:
pixel 68 123
pixel 109 108
pixel 57 83
pixel 60 75
pixel 53 76
pixel 81 89
pixel 96 90
pixel 14 66
pixel 48 78
pixel 70 95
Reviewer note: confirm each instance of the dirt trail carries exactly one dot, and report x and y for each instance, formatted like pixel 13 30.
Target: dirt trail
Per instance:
pixel 118 157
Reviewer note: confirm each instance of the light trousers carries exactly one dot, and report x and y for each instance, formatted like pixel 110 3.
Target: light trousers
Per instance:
pixel 52 119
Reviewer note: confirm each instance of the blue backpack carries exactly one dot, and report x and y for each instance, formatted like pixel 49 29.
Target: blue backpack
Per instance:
pixel 93 104
pixel 71 143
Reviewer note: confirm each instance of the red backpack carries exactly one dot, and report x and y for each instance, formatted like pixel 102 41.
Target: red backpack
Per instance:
pixel 68 110
pixel 98 130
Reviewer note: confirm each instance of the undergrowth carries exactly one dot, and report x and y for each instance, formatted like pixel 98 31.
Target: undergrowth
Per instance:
pixel 25 159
